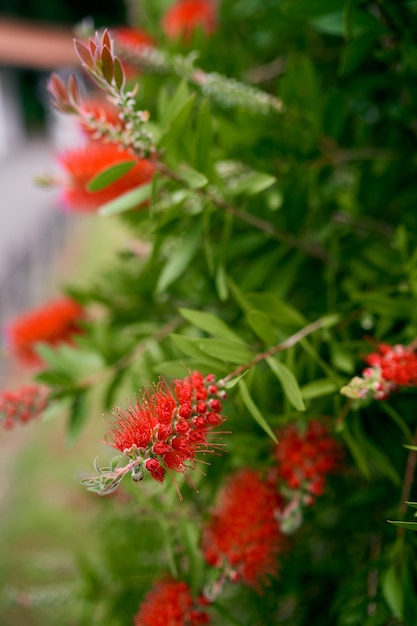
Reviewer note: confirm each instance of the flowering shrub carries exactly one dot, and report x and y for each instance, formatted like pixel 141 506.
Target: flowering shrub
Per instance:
pixel 22 405
pixel 274 169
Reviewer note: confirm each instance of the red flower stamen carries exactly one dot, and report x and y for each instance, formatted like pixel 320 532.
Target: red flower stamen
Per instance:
pixel 170 603
pixel 243 535
pixel 305 459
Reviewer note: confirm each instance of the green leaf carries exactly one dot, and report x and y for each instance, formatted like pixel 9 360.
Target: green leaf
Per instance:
pixel 413 505
pixel 254 411
pixel 251 184
pixel 179 259
pixel 192 178
pixel 78 416
pixel 188 346
pixel 203 139
pixel 288 382
pixel 225 350
pixel 127 201
pixel 178 124
pixel 319 388
pixel 262 326
pixel 210 323
pixel 110 174
pixel 278 310
pixel 406 525
pixel 392 591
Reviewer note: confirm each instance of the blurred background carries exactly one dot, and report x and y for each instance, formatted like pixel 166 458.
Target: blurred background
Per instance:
pixel 41 246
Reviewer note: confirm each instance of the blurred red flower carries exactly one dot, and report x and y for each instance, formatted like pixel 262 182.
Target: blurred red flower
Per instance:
pixel 243 535
pixel 397 364
pixel 22 405
pixel 54 323
pixel 305 457
pixel 131 39
pixel 170 603
pixel 185 16
pixel 83 164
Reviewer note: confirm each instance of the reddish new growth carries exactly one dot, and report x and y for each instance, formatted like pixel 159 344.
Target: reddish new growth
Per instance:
pixel 170 603
pixel 83 164
pixel 243 535
pixel 22 405
pixel 185 16
pixel 305 458
pixel 54 323
pixel 168 426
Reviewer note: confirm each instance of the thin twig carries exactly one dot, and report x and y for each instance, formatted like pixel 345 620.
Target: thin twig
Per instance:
pixel 288 343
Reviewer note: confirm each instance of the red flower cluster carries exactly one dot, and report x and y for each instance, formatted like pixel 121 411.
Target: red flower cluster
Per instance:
pixel 185 16
pixel 397 364
pixel 168 427
pixel 305 458
pixel 170 603
pixel 84 163
pixel 22 405
pixel 243 535
pixel 54 323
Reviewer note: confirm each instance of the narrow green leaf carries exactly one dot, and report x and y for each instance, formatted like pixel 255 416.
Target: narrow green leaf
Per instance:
pixel 177 125
pixel 254 411
pixel 110 174
pixel 280 311
pixel 392 591
pixel 179 260
pixel 127 201
pixel 78 416
pixel 203 138
pixel 225 350
pixel 262 326
pixel 210 323
pixel 319 388
pixel 188 346
pixel 406 525
pixel 192 178
pixel 288 382
pixel 253 183
pixel 413 506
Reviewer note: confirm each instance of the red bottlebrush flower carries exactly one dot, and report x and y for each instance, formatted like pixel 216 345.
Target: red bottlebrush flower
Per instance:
pixel 100 110
pixel 305 459
pixel 166 428
pixel 397 364
pixel 83 164
pixel 185 16
pixel 243 534
pixel 54 323
pixel 22 405
pixel 170 603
